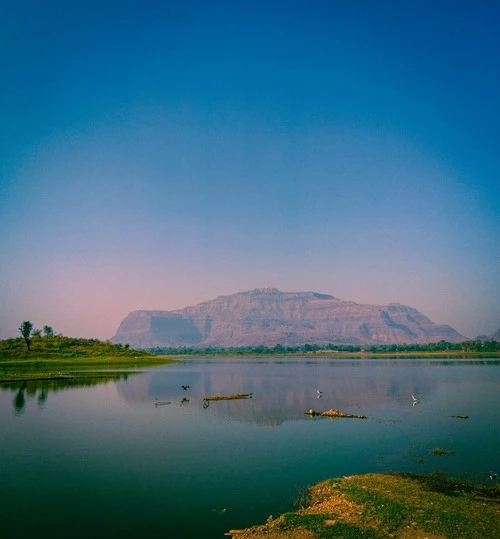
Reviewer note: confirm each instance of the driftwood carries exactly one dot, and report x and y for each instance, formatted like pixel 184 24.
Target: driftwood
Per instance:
pixel 334 413
pixel 228 397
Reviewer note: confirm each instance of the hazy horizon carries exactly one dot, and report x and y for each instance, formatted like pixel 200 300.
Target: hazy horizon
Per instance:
pixel 159 154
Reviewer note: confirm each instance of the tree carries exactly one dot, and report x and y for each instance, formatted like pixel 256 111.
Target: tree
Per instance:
pixel 48 331
pixel 36 333
pixel 26 328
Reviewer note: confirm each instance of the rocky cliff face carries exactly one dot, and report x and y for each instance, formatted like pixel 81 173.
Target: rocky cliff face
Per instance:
pixel 268 317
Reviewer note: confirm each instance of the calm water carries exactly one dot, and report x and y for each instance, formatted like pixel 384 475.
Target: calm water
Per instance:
pixel 104 461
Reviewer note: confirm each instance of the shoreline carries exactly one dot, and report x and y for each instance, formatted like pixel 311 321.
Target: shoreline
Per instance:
pixel 403 505
pixel 24 369
pixel 453 354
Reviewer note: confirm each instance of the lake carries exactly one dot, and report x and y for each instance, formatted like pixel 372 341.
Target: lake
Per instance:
pixel 112 459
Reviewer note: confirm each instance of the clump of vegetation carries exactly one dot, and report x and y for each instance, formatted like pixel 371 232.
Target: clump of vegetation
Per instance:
pixel 57 346
pixel 388 505
pixel 334 414
pixel 442 452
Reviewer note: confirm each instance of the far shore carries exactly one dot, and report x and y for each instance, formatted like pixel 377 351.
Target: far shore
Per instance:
pixel 24 366
pixel 452 354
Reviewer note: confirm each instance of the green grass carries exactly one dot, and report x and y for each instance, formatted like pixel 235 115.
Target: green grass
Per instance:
pixel 58 357
pixel 64 347
pixel 434 503
pixel 392 505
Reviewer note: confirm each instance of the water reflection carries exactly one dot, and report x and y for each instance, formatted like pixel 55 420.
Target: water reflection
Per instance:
pixel 284 390
pixel 19 401
pixel 114 452
pixel 40 389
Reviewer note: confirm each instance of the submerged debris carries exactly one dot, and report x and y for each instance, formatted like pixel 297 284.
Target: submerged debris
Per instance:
pixel 439 451
pixel 228 397
pixel 334 413
pixel 460 416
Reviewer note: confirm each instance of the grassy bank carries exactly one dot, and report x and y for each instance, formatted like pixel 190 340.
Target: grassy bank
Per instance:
pixel 63 357
pixel 388 505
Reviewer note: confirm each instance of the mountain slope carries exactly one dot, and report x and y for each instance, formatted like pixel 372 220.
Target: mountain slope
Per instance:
pixel 268 316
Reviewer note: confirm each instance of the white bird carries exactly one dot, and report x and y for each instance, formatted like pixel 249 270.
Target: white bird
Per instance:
pixel 414 398
pixel 319 393
pixel 493 476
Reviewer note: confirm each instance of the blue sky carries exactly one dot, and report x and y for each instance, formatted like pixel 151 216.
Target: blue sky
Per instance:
pixel 158 154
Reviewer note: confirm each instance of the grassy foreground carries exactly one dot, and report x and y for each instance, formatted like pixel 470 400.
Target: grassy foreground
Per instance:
pixel 59 357
pixel 400 505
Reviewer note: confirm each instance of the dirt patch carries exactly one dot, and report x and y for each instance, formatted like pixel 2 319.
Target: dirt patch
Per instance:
pixel 271 531
pixel 326 502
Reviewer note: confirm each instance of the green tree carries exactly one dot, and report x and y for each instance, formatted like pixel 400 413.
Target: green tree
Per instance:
pixel 48 331
pixel 26 328
pixel 36 333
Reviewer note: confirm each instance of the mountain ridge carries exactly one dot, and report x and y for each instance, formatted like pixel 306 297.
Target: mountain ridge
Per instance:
pixel 268 316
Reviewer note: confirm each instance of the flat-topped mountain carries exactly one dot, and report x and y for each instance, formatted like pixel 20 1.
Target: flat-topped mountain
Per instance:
pixel 267 316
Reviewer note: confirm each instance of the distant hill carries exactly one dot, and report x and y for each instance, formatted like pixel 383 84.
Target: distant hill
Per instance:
pixel 495 336
pixel 267 316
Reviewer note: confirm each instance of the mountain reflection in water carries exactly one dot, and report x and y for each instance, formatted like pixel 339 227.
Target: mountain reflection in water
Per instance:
pixel 285 390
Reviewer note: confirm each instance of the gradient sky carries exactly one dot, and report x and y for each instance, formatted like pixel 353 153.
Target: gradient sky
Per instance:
pixel 157 154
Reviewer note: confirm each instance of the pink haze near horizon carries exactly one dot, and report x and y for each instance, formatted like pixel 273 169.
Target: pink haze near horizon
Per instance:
pixel 157 156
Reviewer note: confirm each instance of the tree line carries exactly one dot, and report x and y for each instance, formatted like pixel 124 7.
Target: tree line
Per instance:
pixel 476 345
pixel 28 332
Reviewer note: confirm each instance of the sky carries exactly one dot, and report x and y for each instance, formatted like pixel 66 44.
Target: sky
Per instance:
pixel 157 154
